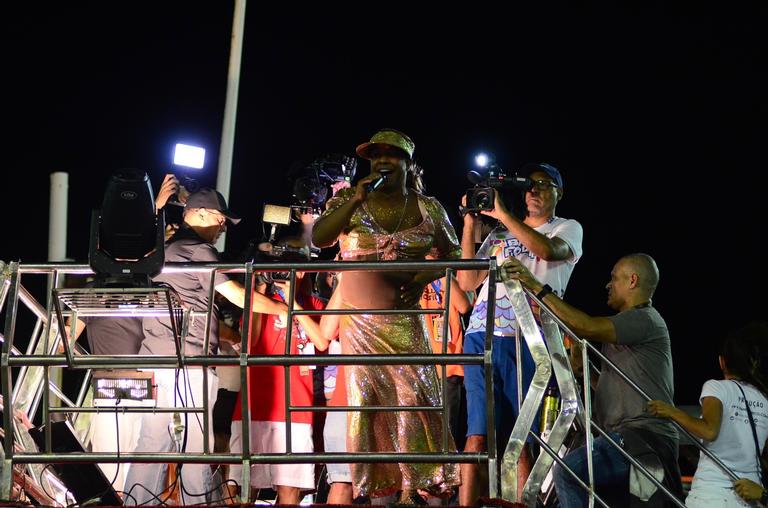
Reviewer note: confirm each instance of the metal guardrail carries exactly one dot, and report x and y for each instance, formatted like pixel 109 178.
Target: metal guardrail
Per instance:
pixel 65 303
pixel 551 452
pixel 550 356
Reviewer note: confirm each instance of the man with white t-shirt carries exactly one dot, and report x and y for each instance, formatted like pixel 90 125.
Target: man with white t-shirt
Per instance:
pixel 550 246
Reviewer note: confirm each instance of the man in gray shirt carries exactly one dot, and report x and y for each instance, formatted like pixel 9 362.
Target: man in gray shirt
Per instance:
pixel 637 341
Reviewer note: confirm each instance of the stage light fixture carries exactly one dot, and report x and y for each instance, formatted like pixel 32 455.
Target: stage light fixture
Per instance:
pixel 109 386
pixel 127 236
pixel 189 156
pixel 482 160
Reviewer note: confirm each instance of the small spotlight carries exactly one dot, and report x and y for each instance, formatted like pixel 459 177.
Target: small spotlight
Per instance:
pixel 482 160
pixel 189 156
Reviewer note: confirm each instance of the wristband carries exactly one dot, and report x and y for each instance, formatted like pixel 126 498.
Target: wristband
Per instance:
pixel 544 292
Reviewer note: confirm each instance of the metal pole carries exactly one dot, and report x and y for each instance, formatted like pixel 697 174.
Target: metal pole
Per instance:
pixel 226 149
pixel 57 217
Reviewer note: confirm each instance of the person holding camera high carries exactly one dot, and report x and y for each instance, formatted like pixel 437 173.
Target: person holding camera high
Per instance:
pixel 384 218
pixel 206 215
pixel 550 246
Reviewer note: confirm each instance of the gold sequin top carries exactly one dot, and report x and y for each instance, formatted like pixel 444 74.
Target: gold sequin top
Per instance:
pixel 364 239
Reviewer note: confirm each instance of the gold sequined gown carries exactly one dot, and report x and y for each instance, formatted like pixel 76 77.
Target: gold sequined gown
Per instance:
pixel 392 385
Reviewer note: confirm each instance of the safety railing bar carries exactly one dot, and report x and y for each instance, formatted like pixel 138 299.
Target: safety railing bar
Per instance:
pixel 199 409
pixel 35 337
pixel 548 449
pixel 261 458
pixel 208 314
pixel 639 466
pixel 361 409
pixel 325 266
pixel 490 328
pixel 639 390
pixel 632 384
pixel 61 396
pixel 126 409
pixel 446 337
pixel 351 312
pixel 5 284
pixel 170 362
pixel 5 365
pixel 290 297
pixel 121 313
pixel 32 304
pixel 245 386
pixel 206 346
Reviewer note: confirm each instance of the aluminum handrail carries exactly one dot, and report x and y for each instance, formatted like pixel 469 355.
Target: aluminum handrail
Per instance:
pixel 588 346
pixel 243 361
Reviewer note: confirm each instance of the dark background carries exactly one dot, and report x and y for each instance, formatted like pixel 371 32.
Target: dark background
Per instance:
pixel 654 114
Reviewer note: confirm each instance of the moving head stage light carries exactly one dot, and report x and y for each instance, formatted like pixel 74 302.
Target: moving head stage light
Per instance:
pixel 127 236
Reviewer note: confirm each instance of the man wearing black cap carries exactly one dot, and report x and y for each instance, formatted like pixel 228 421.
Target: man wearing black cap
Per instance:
pixel 549 246
pixel 205 218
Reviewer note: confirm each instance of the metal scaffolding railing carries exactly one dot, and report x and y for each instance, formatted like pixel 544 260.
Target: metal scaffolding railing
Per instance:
pixel 552 326
pixel 25 374
pixel 64 304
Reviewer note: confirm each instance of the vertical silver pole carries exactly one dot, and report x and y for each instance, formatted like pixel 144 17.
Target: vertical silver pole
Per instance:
pixel 588 423
pixel 57 217
pixel 245 386
pixel 226 149
pixel 490 328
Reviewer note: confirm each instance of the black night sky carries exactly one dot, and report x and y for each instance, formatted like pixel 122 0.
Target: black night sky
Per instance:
pixel 655 114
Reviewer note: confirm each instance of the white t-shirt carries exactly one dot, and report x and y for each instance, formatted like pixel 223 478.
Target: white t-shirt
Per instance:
pixel 501 244
pixel 734 445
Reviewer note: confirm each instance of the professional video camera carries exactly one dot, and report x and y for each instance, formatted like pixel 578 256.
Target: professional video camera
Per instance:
pixel 282 253
pixel 312 188
pixel 278 250
pixel 489 178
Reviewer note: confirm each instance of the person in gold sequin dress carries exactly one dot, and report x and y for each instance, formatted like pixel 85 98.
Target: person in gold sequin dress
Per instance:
pixel 392 222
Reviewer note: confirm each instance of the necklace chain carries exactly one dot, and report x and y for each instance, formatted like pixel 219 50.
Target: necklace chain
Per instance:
pixel 394 231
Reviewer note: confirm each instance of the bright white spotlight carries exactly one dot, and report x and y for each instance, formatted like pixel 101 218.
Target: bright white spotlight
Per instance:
pixel 482 160
pixel 189 156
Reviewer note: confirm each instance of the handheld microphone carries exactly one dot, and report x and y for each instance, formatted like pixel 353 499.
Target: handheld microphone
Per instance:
pixel 372 186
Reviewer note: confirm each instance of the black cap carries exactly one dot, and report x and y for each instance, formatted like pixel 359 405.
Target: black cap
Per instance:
pixel 212 200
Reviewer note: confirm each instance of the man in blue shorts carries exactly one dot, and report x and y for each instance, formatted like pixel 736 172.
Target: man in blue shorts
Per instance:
pixel 549 246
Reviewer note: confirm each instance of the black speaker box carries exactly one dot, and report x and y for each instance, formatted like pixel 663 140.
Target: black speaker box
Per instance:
pixel 86 482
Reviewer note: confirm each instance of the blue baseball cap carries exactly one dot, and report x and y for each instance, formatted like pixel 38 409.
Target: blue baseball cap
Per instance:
pixel 549 169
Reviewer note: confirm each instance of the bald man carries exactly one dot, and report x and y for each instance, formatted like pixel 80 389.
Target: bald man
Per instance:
pixel 637 341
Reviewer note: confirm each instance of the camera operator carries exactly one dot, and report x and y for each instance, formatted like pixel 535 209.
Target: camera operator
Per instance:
pixel 205 217
pixel 549 246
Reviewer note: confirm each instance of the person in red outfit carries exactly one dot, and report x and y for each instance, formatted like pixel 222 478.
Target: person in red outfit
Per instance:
pixel 267 396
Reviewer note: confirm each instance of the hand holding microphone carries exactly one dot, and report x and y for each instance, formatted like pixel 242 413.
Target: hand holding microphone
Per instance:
pixel 368 185
pixel 375 184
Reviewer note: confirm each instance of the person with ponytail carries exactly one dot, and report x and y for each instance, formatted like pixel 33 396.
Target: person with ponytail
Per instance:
pixel 733 423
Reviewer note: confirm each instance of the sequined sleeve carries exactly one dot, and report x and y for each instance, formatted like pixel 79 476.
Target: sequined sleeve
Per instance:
pixel 446 245
pixel 339 199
